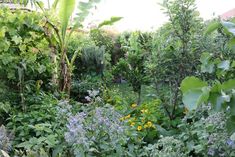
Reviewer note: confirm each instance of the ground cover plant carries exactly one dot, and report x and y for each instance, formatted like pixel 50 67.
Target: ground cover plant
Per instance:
pixel 70 92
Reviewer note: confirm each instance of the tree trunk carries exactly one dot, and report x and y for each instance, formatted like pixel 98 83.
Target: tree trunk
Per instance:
pixel 139 97
pixel 65 76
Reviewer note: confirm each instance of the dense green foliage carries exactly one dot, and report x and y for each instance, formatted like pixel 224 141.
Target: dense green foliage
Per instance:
pixel 66 92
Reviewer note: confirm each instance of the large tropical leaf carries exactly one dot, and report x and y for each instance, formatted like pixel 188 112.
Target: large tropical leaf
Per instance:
pixel 66 8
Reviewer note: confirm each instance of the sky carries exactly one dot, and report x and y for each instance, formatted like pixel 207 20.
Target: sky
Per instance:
pixel 147 14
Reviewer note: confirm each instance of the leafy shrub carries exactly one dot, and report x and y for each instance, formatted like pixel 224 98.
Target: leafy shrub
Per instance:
pixel 204 133
pixel 42 126
pixel 24 54
pixel 131 67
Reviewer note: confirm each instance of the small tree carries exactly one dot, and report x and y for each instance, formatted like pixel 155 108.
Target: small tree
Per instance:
pixel 175 54
pixel 132 66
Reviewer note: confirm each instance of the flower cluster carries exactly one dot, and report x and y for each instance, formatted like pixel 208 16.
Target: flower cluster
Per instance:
pixel 96 131
pixel 5 143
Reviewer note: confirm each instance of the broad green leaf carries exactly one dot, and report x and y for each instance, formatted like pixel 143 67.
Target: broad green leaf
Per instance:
pixel 190 83
pixel 228 85
pixel 231 43
pixel 207 64
pixel 229 26
pixel 66 8
pixel 195 97
pixel 212 27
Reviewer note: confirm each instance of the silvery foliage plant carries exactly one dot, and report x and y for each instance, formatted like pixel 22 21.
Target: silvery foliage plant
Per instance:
pixel 98 132
pixel 5 143
pixel 166 147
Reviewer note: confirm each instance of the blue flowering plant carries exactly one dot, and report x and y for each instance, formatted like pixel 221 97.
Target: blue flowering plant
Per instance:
pixel 5 142
pixel 98 132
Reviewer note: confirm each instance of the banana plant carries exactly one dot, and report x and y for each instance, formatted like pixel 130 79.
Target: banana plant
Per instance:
pixel 62 33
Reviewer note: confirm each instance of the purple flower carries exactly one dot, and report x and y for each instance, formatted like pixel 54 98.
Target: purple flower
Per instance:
pixel 211 152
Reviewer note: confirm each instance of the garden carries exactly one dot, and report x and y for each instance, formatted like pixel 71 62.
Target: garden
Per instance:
pixel 70 92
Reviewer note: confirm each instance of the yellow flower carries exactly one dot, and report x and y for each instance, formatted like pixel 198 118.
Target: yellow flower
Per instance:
pixel 145 126
pixel 128 116
pixel 149 124
pixel 144 110
pixel 122 119
pixel 139 128
pixel 132 124
pixel 133 105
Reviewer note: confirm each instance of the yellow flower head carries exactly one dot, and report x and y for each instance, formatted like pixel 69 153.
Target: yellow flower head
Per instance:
pixel 128 116
pixel 149 124
pixel 122 119
pixel 139 128
pixel 133 105
pixel 144 110
pixel 132 124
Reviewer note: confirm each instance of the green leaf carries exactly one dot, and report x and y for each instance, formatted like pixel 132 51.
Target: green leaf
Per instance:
pixel 228 85
pixel 230 124
pixel 195 92
pixel 190 83
pixel 207 64
pixel 110 22
pixel 66 8
pixel 195 97
pixel 212 27
pixel 229 26
pixel 231 43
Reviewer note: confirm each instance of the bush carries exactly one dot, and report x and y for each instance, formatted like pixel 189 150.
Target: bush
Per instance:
pixel 99 132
